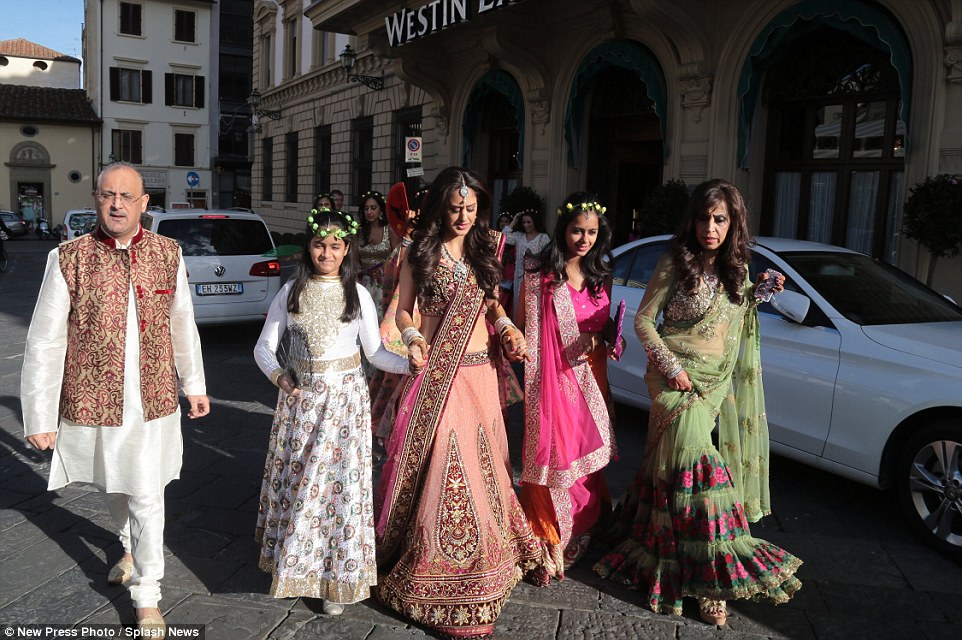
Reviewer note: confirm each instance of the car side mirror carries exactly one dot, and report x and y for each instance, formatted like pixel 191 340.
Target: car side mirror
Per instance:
pixel 792 305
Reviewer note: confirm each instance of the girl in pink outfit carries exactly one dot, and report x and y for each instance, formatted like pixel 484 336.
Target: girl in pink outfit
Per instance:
pixel 568 436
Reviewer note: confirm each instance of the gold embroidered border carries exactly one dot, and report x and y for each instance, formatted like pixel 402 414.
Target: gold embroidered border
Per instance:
pixel 338 365
pixel 450 342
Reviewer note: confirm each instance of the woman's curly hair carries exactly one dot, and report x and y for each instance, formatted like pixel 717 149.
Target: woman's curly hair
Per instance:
pixel 734 253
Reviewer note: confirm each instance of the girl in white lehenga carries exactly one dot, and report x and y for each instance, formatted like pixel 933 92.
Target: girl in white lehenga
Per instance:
pixel 315 518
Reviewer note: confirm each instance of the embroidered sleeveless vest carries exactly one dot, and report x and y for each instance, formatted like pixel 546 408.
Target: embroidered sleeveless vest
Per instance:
pixel 98 278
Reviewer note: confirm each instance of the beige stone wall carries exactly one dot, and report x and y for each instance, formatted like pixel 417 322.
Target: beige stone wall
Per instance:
pixel 700 45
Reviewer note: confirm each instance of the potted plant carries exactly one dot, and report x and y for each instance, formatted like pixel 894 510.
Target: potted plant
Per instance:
pixel 662 209
pixel 522 198
pixel 933 217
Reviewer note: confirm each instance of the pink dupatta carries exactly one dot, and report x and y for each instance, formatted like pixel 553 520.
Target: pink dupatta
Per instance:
pixel 568 432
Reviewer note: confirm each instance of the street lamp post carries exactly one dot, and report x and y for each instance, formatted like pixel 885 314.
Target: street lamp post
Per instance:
pixel 255 102
pixel 348 60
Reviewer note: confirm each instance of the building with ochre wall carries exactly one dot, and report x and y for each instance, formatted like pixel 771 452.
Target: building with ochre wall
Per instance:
pixel 48 132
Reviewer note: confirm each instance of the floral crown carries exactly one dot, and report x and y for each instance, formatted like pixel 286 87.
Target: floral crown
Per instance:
pixel 524 212
pixel 584 206
pixel 372 194
pixel 324 195
pixel 351 228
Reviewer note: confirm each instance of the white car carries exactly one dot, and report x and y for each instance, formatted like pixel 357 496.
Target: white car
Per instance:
pixel 862 367
pixel 231 266
pixel 77 222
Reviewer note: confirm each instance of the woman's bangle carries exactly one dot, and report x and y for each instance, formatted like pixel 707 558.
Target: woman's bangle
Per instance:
pixel 409 335
pixel 406 241
pixel 502 324
pixel 675 372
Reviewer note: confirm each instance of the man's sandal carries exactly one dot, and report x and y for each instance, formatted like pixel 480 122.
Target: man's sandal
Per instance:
pixel 713 611
pixel 120 573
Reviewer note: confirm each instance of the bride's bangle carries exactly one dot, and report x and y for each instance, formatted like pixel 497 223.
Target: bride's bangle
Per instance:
pixel 502 324
pixel 409 335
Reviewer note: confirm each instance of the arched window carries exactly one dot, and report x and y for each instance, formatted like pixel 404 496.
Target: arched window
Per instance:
pixel 40 64
pixel 835 146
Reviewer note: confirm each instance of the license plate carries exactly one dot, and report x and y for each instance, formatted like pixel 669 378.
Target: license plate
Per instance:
pixel 220 289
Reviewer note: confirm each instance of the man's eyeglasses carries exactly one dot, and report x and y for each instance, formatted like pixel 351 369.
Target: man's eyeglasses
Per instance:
pixel 108 196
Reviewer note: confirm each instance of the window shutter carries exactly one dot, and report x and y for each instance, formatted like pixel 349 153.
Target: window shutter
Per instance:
pixel 146 86
pixel 199 92
pixel 169 89
pixel 114 83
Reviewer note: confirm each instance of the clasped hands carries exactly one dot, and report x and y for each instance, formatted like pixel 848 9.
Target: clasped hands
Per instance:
pixel 515 346
pixel 417 355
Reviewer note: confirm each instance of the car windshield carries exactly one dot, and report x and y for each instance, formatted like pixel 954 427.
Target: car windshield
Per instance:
pixel 868 292
pixel 218 236
pixel 80 220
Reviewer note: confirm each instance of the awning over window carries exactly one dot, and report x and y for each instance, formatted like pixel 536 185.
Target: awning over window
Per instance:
pixel 863 21
pixel 626 55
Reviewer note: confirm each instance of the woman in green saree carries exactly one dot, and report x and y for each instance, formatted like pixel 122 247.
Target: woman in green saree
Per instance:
pixel 683 530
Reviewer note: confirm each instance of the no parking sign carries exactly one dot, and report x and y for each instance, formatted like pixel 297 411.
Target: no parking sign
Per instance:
pixel 412 149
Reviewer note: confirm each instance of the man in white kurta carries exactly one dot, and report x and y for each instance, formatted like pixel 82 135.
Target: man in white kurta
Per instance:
pixel 133 452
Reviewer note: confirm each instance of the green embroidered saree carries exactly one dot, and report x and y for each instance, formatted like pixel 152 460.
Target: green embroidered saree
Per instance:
pixel 683 528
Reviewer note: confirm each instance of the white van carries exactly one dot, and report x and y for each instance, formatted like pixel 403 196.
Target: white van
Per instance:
pixel 233 272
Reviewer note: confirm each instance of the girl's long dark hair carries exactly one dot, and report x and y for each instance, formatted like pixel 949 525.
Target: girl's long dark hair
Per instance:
pixel 595 265
pixel 733 254
pixel 349 268
pixel 479 245
pixel 362 216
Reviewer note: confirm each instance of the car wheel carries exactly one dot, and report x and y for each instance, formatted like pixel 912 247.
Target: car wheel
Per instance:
pixel 4 236
pixel 930 485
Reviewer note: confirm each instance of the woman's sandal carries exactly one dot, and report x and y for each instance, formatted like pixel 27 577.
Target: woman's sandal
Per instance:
pixel 538 577
pixel 713 611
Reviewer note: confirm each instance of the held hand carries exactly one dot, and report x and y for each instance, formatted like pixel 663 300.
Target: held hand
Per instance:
pixel 418 356
pixel 286 384
pixel 199 406
pixel 611 349
pixel 43 441
pixel 515 346
pixel 681 382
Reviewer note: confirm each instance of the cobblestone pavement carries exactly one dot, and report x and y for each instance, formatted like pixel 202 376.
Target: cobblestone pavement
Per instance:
pixel 865 575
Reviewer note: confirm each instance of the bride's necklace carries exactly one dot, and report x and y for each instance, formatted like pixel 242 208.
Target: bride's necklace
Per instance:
pixel 460 269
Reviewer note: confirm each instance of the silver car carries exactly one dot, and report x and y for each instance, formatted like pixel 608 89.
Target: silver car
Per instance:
pixel 862 367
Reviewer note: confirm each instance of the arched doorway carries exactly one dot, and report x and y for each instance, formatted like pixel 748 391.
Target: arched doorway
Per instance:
pixel 834 81
pixel 494 133
pixel 30 181
pixel 615 126
pixel 625 151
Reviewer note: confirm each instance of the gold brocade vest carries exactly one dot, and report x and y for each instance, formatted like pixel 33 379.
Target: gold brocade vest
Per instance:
pixel 98 278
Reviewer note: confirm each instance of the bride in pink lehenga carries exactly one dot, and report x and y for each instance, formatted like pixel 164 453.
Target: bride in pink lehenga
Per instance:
pixel 452 537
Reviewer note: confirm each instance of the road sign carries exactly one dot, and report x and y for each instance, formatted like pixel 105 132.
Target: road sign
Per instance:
pixel 412 149
pixel 193 179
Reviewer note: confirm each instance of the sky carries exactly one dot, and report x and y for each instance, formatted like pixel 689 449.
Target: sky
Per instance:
pixel 55 24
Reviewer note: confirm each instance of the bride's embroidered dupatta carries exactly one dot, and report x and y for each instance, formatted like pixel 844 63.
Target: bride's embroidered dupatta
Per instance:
pixel 422 404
